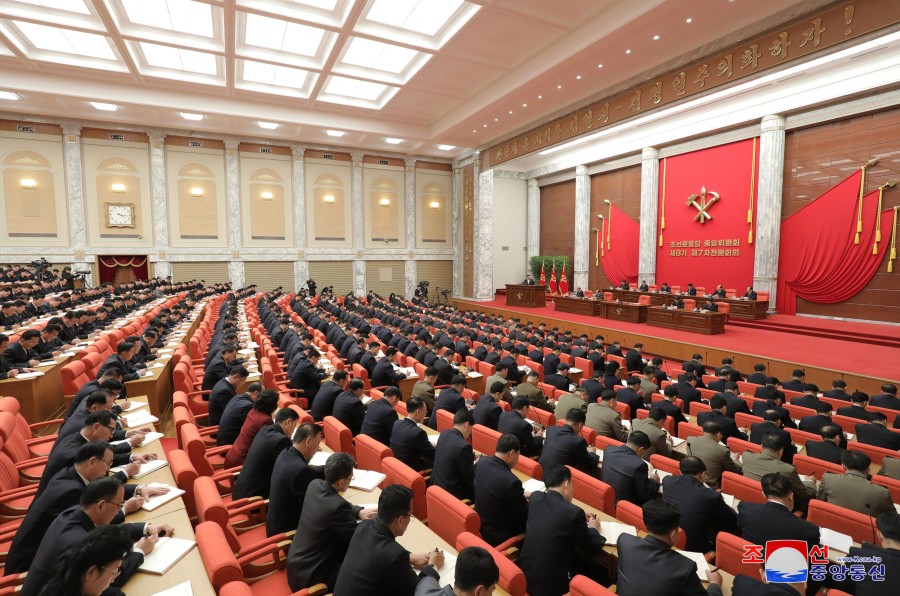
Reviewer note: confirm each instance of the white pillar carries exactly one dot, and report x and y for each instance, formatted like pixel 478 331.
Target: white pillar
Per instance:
pixel 75 200
pixel 768 206
pixel 160 211
pixel 233 206
pixel 357 215
pixel 649 215
pixel 456 195
pixel 582 228
pixel 484 236
pixel 409 201
pixel 298 182
pixel 533 232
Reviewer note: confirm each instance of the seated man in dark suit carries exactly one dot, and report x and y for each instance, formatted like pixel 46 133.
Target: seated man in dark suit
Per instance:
pixel 514 422
pixel 809 399
pixel 815 423
pixel 877 433
pixel 703 511
pixel 797 382
pixel 888 525
pixel 768 389
pixel 367 359
pixel 307 377
pixel 529 281
pixel 771 425
pixel 758 377
pixel 709 305
pixel 774 404
pixel 632 396
pixel 888 397
pixel 254 479
pixel 499 498
pixel 454 468
pixel 649 565
pixel 831 447
pixel 560 539
pixel 734 402
pixel 565 446
pixel 223 393
pixel 724 374
pixel 375 564
pixel 560 378
pixel 551 361
pixel 110 381
pixel 409 442
pixel 686 388
pixel 626 471
pixel 837 390
pixel 633 359
pixel 219 366
pixel 326 527
pixel 381 416
pixel 450 399
pixel 348 407
pixel 750 294
pixel 384 373
pixel 476 572
pixel 717 415
pixel 487 411
pixel 857 408
pixel 668 405
pixel 235 414
pixel 290 479
pixel 328 394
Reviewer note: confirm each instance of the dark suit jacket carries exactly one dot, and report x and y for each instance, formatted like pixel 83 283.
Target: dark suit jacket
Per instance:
pixel 880 436
pixel 221 394
pixel 445 371
pixel 367 361
pixel 815 423
pixel 63 456
pixel 718 385
pixel 215 372
pixel 487 412
pixel 558 381
pixel 757 378
pixel 772 521
pixel 376 565
pixel 256 476
pixel 513 423
pixel 793 385
pixel 766 391
pixel 760 408
pixel 627 474
pixel 890 557
pixel 563 446
pixel 66 530
pixel 450 400
pixel 308 378
pixel 703 512
pixel 551 361
pixel 290 480
pixel 499 500
pixel 326 527
pixel 350 410
pixel 729 426
pixel 744 585
pixel 17 357
pixel 760 429
pixel 410 445
pixel 384 374
pixel 853 412
pixel 838 394
pixel 232 419
pixel 649 566
pixel 687 394
pixel 671 410
pixel 379 421
pixel 512 370
pixel 324 402
pixel 634 360
pixel 734 404
pixel 594 388
pixel 631 398
pixel 885 400
pixel 824 450
pixel 454 469
pixel 555 530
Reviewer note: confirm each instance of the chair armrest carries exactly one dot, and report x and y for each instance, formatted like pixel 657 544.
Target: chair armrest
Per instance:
pixel 208 430
pixel 218 450
pixel 269 550
pixel 38 425
pixel 40 440
pixel 255 508
pixel 265 543
pixel 30 463
pixel 200 392
pixel 17 493
pixel 510 547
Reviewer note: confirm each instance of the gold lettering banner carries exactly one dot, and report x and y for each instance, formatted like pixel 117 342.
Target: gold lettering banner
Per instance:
pixel 782 45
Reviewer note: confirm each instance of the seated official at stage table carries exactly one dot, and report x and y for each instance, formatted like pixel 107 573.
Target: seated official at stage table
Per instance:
pixel 644 287
pixel 529 281
pixel 710 306
pixel 691 290
pixel 750 294
pixel 624 285
pixel 665 288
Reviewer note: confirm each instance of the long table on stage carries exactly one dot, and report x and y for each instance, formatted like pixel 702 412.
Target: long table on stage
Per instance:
pixel 740 308
pixel 630 312
pixel 710 323
pixel 525 295
pixel 578 306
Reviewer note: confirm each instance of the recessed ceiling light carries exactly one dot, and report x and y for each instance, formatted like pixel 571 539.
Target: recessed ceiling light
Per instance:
pixel 335 133
pixel 9 95
pixel 447 147
pixel 496 119
pixel 578 78
pixel 474 130
pixel 524 105
pixel 689 20
pixel 510 111
pixel 627 51
pixel 268 125
pixel 393 141
pixel 656 38
pixel 599 66
pixel 559 86
pixel 540 97
pixel 484 126
pixel 108 107
pixel 189 116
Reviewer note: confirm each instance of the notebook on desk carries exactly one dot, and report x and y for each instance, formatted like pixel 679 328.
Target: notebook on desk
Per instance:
pixel 167 552
pixel 157 501
pixel 182 589
pixel 319 458
pixel 147 468
pixel 612 530
pixel 533 485
pixel 699 559
pixel 447 571
pixel 366 480
pixel 148 438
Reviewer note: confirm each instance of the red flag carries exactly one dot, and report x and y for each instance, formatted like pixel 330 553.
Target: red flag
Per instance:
pixel 543 280
pixel 553 288
pixel 563 282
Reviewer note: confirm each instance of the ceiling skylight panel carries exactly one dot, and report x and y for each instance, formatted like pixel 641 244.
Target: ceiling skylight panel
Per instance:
pixel 77 6
pixel 328 5
pixel 179 59
pixel 354 88
pixel 378 56
pixel 331 13
pixel 181 16
pixel 421 16
pixel 275 34
pixel 65 41
pixel 270 74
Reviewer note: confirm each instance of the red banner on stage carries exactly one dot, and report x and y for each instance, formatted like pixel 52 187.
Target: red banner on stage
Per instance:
pixel 707 214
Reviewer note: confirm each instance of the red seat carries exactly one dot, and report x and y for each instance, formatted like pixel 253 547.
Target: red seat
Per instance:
pixel 38 445
pixel 584 586
pixel 370 452
pixel 730 555
pixel 185 475
pixel 602 442
pixel 199 457
pixel 876 454
pixel 530 467
pixel 811 466
pixel 892 484
pixel 16 494
pixel 398 472
pixel 743 488
pixel 840 519
pixel 263 587
pixel 666 464
pixel 686 430
pixel 631 514
pixel 740 446
pixel 745 420
pixel 484 439
pixel 337 436
pixel 448 516
pixel 444 420
pixel 512 579
pixel 593 492
pixel 697 407
pixel 547 419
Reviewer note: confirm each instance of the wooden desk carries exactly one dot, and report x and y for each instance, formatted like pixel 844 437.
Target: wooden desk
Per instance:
pixel 630 312
pixel 406 386
pixel 656 298
pixel 709 323
pixel 40 398
pixel 522 295
pixel 578 306
pixel 746 309
pixel 157 387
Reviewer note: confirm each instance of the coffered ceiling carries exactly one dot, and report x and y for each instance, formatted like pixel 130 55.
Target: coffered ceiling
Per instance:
pixel 423 77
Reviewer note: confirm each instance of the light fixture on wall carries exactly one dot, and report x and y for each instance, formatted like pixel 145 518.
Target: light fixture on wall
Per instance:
pixel 28 183
pixel 384 202
pixel 329 199
pixel 434 204
pixel 266 195
pixel 197 192
pixel 118 188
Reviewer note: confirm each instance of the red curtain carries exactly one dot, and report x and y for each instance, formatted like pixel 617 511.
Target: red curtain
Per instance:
pixel 122 269
pixel 619 257
pixel 818 259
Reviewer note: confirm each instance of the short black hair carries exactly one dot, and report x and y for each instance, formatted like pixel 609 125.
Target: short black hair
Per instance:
pixel 103 417
pixel 267 402
pixel 639 439
pixel 475 567
pixel 458 380
pixel 660 516
pixel 776 485
pixel 462 416
pixel 238 371
pixel 607 394
pixel 104 488
pixel 520 402
pixel 876 417
pixel 556 475
pixel 508 442
pixel 307 430
pixel 394 501
pixel 414 404
pixel 691 466
pixel 339 375
pixel 431 371
pixel 285 414
pixel 392 392
pixel 339 466
pixel 92 449
pixel 858 397
pixel 717 402
pixel 30 334
pixel 657 413
pixel 839 384
pixel 712 428
pixel 771 416
pixel 576 416
pixel 96 398
pixel 797 372
pixel 356 385
pixel 773 442
pixel 889 524
pixel 497 387
pixel 856 460
pixel 811 388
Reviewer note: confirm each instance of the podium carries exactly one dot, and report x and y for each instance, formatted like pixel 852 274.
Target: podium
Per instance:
pixel 523 295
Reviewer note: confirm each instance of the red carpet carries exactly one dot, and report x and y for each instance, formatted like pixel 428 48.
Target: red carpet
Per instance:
pixel 787 338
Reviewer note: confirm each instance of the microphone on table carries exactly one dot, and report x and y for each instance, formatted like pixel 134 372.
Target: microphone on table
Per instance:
pixel 872 522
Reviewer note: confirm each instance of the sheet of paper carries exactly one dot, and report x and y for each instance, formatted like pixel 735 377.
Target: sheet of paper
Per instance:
pixel 729 500
pixel 148 438
pixel 159 500
pixel 676 441
pixel 836 540
pixel 47 363
pixel 447 570
pixel 433 439
pixel 29 375
pixel 147 468
pixel 135 405
pixel 699 559
pixel 139 418
pixel 367 480
pixel 612 530
pixel 182 589
pixel 627 424
pixel 319 458
pixel 167 552
pixel 532 486
pixel 156 364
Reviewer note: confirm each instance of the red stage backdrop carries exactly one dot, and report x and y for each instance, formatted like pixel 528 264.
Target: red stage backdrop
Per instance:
pixel 620 238
pixel 719 250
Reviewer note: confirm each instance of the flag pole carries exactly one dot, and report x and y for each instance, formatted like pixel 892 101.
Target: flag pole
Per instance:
pixel 600 237
pixel 862 190
pixel 888 184
pixel 609 223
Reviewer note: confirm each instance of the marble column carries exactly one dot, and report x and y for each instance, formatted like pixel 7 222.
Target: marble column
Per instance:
pixel 298 182
pixel 357 218
pixel 768 206
pixel 359 277
pixel 456 231
pixel 75 199
pixel 160 207
pixel 233 207
pixel 484 236
pixel 649 215
pixel 533 231
pixel 409 202
pixel 582 228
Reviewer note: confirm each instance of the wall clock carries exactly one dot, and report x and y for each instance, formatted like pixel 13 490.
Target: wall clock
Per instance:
pixel 120 215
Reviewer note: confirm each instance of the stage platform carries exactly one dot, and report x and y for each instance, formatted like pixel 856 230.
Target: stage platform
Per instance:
pixel 864 355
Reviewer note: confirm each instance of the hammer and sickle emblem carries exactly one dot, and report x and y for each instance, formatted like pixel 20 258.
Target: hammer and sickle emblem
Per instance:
pixel 706 200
